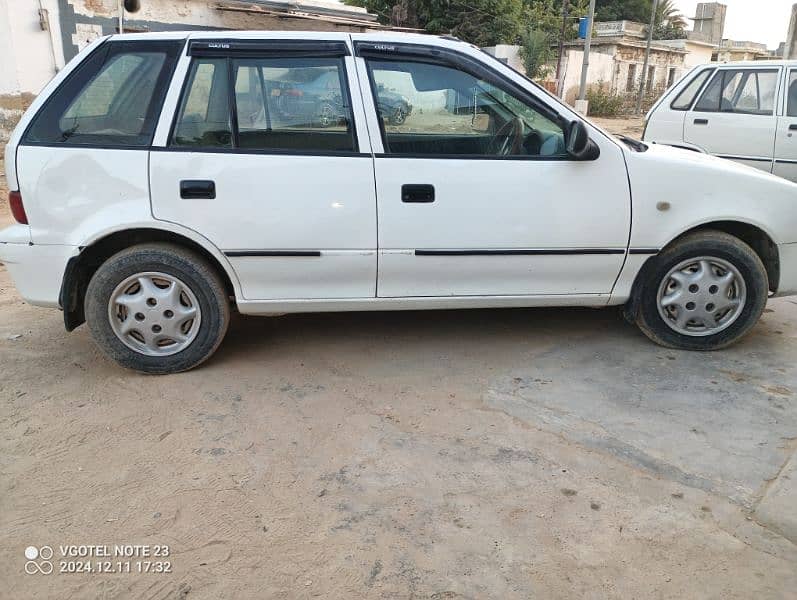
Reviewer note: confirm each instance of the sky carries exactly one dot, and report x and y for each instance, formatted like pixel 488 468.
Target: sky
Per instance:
pixel 764 21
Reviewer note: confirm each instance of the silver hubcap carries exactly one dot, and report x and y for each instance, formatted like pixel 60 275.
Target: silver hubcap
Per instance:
pixel 702 296
pixel 154 313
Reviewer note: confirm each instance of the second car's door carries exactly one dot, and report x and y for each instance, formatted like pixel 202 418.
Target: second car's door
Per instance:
pixel 735 116
pixel 786 138
pixel 265 161
pixel 476 193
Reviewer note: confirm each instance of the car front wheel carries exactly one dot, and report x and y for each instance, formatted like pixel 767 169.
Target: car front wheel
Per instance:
pixel 704 292
pixel 157 308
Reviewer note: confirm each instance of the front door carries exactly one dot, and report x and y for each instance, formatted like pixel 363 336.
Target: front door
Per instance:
pixel 735 116
pixel 477 196
pixel 264 161
pixel 786 137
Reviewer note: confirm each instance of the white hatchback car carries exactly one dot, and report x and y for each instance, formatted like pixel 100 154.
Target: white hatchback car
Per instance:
pixel 161 179
pixel 743 111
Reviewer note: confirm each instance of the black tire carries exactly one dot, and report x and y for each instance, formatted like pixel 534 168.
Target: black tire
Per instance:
pixel 193 270
pixel 704 243
pixel 399 116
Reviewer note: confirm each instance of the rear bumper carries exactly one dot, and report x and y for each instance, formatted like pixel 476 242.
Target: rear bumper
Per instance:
pixel 787 286
pixel 36 270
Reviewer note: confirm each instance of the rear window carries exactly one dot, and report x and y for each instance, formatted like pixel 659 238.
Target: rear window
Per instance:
pixel 112 99
pixel 282 104
pixel 687 96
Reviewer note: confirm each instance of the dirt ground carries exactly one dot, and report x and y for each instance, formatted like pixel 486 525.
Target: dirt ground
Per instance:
pixel 472 454
pixel 630 126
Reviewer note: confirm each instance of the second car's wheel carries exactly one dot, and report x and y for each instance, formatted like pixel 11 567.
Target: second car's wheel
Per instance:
pixel 399 116
pixel 326 116
pixel 704 292
pixel 157 308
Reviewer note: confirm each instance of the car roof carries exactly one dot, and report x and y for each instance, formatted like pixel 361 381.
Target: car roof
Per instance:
pixel 301 35
pixel 756 63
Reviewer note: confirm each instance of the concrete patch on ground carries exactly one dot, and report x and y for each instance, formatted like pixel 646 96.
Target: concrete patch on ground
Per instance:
pixel 712 421
pixel 777 507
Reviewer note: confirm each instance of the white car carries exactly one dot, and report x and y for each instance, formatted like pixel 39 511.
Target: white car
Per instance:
pixel 162 179
pixel 743 111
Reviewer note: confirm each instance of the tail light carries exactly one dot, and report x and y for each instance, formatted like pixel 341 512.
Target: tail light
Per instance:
pixel 17 208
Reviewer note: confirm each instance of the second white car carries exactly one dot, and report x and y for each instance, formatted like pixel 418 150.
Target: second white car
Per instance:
pixel 744 111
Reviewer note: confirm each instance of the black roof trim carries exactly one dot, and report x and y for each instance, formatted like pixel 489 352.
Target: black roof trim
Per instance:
pixel 259 48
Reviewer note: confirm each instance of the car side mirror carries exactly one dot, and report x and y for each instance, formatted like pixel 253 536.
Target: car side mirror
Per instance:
pixel 579 146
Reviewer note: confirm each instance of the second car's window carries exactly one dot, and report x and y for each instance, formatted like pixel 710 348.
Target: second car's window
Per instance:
pixel 687 95
pixel 430 109
pixel 745 91
pixel 281 104
pixel 791 95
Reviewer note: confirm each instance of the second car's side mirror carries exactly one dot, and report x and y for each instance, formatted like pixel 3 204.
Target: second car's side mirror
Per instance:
pixel 579 146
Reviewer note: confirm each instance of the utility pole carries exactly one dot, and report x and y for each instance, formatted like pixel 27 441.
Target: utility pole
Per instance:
pixel 565 9
pixel 582 93
pixel 644 79
pixel 121 16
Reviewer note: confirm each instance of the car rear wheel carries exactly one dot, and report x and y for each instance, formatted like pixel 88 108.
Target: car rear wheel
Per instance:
pixel 157 308
pixel 704 292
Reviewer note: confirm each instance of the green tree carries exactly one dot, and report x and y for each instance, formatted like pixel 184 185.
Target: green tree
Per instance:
pixel 668 15
pixel 619 10
pixel 546 15
pixel 535 52
pixel 480 22
pixel 383 9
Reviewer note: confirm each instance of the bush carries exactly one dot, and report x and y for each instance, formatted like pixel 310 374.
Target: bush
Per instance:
pixel 604 103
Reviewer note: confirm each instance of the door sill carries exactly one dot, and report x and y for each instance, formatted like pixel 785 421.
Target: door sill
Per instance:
pixel 271 307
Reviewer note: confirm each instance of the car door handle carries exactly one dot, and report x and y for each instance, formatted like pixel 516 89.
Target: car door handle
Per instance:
pixel 701 121
pixel 793 127
pixel 193 189
pixel 419 193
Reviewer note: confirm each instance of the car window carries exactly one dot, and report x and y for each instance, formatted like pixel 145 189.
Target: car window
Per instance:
pixel 687 96
pixel 306 104
pixel 792 95
pixel 744 91
pixel 204 117
pixel 280 104
pixel 112 99
pixel 438 110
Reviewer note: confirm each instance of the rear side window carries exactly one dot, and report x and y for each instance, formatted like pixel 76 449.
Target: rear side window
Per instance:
pixel 744 91
pixel 205 112
pixel 112 99
pixel 281 104
pixel 688 94
pixel 791 95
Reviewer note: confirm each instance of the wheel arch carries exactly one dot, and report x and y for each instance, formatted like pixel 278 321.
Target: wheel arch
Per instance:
pixel 81 267
pixel 755 237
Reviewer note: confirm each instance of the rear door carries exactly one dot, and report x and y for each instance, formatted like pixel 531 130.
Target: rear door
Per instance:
pixel 264 159
pixel 786 138
pixel 735 116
